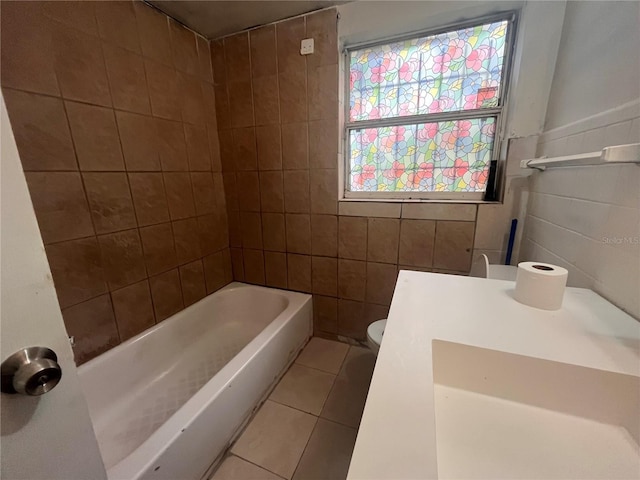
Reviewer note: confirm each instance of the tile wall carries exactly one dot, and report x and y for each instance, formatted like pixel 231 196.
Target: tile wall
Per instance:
pixel 278 128
pixel 112 108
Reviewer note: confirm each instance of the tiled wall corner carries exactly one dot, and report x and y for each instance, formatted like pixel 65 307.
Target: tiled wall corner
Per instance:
pixel 278 128
pixel 113 110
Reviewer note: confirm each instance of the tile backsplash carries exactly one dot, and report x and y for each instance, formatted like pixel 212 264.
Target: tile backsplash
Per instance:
pixel 278 128
pixel 112 107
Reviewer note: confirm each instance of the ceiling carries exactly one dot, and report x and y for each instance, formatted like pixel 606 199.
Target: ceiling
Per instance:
pixel 215 19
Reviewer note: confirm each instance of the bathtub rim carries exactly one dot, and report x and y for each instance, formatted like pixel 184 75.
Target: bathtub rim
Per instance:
pixel 142 458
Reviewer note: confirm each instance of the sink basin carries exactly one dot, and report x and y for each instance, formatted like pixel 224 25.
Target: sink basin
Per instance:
pixel 503 415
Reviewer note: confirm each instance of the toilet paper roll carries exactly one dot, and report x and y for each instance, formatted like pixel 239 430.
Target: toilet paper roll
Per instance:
pixel 540 285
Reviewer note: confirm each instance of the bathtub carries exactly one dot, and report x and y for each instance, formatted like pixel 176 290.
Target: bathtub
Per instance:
pixel 166 403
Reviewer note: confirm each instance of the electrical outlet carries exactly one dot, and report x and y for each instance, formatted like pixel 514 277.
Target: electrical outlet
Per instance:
pixel 306 46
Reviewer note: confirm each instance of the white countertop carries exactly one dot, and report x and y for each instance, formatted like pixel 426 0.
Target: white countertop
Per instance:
pixel 397 436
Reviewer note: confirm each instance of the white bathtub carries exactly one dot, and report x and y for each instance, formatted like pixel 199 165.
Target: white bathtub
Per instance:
pixel 166 403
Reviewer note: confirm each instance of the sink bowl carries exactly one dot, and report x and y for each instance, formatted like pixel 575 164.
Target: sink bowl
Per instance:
pixel 503 415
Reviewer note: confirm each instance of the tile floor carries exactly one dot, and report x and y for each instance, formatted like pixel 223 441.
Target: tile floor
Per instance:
pixel 307 427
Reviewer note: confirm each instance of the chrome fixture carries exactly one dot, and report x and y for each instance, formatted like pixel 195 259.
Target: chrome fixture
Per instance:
pixel 30 371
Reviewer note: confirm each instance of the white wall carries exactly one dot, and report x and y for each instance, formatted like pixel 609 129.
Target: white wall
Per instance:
pixel 587 219
pixel 598 63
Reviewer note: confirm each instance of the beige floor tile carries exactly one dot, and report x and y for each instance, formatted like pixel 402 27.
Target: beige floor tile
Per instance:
pixel 275 438
pixel 323 354
pixel 303 388
pixel 328 452
pixel 346 401
pixel 235 468
pixel 358 365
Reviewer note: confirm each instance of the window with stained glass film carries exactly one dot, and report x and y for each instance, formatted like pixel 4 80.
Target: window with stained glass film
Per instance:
pixel 450 85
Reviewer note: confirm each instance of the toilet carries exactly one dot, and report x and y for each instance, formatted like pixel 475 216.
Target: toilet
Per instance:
pixel 374 335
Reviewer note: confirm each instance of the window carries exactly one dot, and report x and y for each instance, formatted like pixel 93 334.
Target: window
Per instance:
pixel 424 113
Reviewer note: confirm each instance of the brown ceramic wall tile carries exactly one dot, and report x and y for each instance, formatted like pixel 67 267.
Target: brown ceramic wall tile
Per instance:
pixel 158 247
pixel 227 150
pixel 352 237
pixel 27 52
pixel 197 147
pixel 172 147
pixel 323 188
pixel 299 272
pixel 95 135
pixel 75 14
pixel 214 148
pixel 269 147
pixel 323 144
pixel 235 234
pixel 230 191
pixel 133 309
pixel 296 191
pixel 192 100
pixel 237 263
pixel 263 51
pixel 273 232
pixel 416 242
pixel 240 103
pixel 60 205
pixel 149 198
pixel 276 269
pixel 214 272
pixel 204 59
pixel 193 282
pixel 248 185
pixel 79 65
pixel 351 321
pixel 127 80
pixel 246 157
pixel 212 233
pixel 109 201
pixel 266 100
pixel 324 235
pixel 139 140
pixel 373 313
pixel 325 313
pixel 324 273
pixel 292 87
pixel 117 24
pixel 453 247
pixel 298 233
pixel 323 27
pixel 122 258
pixel 295 146
pixel 323 92
pixel 183 47
pixel 352 276
pixel 271 191
pixel 381 282
pixel 253 266
pixel 153 30
pixel 251 227
pixel 209 99
pixel 166 293
pixel 93 327
pixel 185 235
pixel 382 245
pixel 76 267
pixel 236 50
pixel 223 108
pixel 164 93
pixel 179 195
pixel 41 131
pixel 289 35
pixel 203 192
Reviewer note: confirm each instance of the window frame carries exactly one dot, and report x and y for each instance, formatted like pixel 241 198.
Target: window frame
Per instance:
pixel 494 181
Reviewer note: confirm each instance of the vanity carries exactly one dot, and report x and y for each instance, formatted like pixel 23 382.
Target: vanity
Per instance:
pixel 469 383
